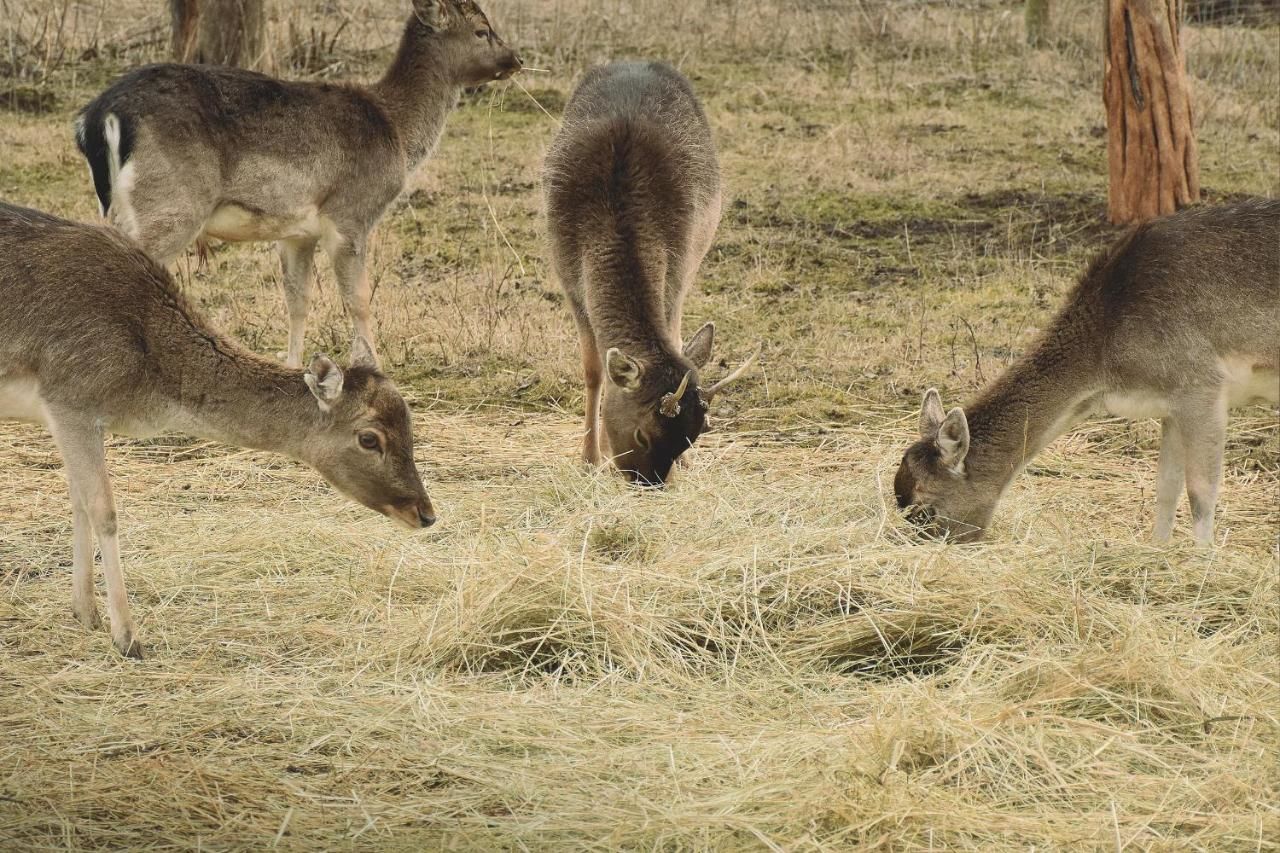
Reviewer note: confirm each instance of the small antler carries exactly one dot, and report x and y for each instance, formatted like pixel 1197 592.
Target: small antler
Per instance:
pixel 711 392
pixel 669 405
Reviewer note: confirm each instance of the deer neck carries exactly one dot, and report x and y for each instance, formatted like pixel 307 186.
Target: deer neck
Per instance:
pixel 213 388
pixel 1045 393
pixel 418 91
pixel 626 304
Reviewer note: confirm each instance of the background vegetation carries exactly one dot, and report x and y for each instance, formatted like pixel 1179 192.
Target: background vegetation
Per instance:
pixel 758 657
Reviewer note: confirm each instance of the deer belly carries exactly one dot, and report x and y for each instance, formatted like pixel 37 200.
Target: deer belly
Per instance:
pixel 1248 382
pixel 132 427
pixel 1244 382
pixel 237 224
pixel 20 400
pixel 1135 405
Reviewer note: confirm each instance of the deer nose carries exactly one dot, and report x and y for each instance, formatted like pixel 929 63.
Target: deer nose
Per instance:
pixel 426 517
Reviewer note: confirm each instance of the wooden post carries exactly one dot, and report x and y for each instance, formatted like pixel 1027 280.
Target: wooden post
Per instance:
pixel 183 14
pixel 1151 144
pixel 1036 17
pixel 220 32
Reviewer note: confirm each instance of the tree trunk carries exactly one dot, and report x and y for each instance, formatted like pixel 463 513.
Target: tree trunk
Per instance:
pixel 220 32
pixel 1037 20
pixel 1151 142
pixel 183 14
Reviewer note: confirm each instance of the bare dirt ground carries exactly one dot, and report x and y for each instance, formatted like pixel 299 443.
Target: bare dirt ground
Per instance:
pixel 758 657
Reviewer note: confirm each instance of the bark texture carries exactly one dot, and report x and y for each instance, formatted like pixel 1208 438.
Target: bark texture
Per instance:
pixel 220 32
pixel 1151 145
pixel 1037 21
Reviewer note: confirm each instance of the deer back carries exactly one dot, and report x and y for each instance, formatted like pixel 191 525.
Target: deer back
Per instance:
pixel 627 181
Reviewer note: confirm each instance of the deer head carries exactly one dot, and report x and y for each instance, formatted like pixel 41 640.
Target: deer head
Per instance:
pixel 934 486
pixel 365 445
pixel 472 49
pixel 655 411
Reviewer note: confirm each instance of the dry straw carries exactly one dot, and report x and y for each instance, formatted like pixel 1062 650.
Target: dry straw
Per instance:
pixel 756 658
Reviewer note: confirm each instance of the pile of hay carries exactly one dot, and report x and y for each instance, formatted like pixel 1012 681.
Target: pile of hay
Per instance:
pixel 755 657
pixel 759 657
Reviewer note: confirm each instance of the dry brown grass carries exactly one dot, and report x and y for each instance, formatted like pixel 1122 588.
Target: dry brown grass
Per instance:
pixel 756 658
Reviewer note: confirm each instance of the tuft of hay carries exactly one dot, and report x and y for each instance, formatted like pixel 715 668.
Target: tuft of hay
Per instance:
pixel 759 657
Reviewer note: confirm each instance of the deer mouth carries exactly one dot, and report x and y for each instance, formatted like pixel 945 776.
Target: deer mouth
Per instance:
pixel 411 514
pixel 509 71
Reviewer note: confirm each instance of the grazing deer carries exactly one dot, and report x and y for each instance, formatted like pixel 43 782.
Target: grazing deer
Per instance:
pixel 1179 320
pixel 95 337
pixel 632 190
pixel 181 152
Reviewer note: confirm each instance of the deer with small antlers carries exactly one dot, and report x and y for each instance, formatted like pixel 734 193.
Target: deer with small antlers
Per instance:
pixel 632 187
pixel 95 337
pixel 179 153
pixel 1179 320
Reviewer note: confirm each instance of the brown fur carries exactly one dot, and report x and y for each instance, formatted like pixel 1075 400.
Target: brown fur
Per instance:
pixel 181 151
pixel 94 337
pixel 632 189
pixel 1170 319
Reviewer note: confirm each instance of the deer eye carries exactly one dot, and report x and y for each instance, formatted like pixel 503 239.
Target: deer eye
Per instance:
pixel 369 440
pixel 482 34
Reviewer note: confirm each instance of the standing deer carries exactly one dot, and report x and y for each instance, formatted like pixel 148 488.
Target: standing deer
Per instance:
pixel 95 337
pixel 632 190
pixel 1179 320
pixel 182 152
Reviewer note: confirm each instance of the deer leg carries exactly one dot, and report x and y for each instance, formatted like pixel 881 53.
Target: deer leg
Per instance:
pixel 1170 477
pixel 165 237
pixel 677 284
pixel 159 210
pixel 297 262
pixel 676 321
pixel 680 283
pixel 593 372
pixel 82 603
pixel 1203 436
pixel 80 441
pixel 353 282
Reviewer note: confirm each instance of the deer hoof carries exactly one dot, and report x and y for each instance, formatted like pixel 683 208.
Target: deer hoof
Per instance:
pixel 128 646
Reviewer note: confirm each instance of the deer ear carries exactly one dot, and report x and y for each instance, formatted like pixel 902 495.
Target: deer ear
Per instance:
pixel 433 13
pixel 698 349
pixel 324 378
pixel 362 354
pixel 953 439
pixel 931 413
pixel 624 371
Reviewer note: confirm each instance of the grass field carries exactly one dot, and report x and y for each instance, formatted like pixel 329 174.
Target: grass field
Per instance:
pixel 758 657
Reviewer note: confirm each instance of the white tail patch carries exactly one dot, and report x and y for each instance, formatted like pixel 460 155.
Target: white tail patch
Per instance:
pixel 122 211
pixel 121 178
pixel 111 131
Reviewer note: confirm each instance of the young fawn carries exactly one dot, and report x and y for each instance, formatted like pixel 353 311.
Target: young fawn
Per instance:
pixel 632 190
pixel 1179 320
pixel 95 337
pixel 181 152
